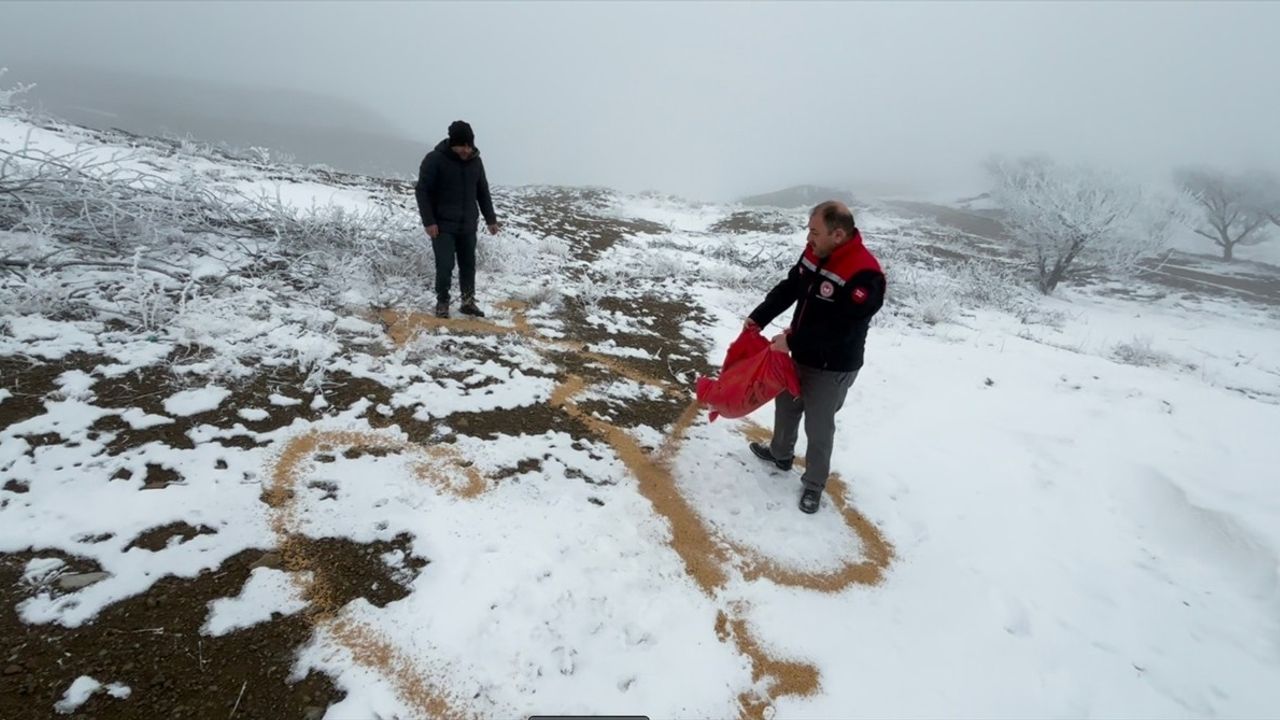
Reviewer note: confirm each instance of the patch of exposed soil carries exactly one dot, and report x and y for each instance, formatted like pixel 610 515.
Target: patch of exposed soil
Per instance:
pixel 30 381
pixel 1187 274
pixel 745 221
pixel 658 414
pixel 527 465
pixel 148 387
pixel 982 224
pixel 571 214
pixel 158 538
pixel 159 477
pixel 152 643
pixel 523 420
pixel 348 571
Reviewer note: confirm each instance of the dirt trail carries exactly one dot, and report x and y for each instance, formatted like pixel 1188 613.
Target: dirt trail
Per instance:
pixel 707 557
pixel 367 646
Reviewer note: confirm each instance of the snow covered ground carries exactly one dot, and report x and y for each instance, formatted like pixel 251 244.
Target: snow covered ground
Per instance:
pixel 1049 507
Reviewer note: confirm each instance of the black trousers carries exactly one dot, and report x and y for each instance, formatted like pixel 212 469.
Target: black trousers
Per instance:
pixel 446 246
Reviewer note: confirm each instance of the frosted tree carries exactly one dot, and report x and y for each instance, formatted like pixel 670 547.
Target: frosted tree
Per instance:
pixel 1234 209
pixel 1075 219
pixel 7 94
pixel 1266 188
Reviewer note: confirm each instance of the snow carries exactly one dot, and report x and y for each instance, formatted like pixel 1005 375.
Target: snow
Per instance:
pixel 191 402
pixel 139 420
pixel 1071 535
pixel 78 694
pixel 75 384
pixel 85 687
pixel 207 269
pixel 39 570
pixel 253 414
pixel 267 593
pixel 1068 557
pixel 304 195
pixel 49 340
pixel 559 601
pixel 445 397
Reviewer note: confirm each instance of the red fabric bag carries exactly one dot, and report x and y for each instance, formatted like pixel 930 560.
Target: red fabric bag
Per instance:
pixel 752 375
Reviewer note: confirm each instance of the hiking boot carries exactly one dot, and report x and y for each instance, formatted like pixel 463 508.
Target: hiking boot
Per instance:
pixel 809 501
pixel 469 307
pixel 761 451
pixel 442 310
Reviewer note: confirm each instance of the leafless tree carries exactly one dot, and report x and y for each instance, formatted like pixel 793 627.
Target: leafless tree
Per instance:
pixel 1072 218
pixel 1233 210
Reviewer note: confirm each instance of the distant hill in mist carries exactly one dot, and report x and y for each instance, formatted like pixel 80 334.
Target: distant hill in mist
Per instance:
pixel 798 196
pixel 315 128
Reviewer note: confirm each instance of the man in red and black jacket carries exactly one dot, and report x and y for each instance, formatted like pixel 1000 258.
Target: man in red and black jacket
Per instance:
pixel 838 287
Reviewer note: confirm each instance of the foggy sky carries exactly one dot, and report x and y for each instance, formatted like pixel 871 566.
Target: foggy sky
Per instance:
pixel 717 100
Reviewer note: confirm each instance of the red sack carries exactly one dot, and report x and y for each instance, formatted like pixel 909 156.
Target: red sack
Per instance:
pixel 752 375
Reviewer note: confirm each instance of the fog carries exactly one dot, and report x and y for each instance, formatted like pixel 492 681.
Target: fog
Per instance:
pixel 711 101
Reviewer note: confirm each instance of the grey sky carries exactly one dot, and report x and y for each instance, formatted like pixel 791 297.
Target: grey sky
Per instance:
pixel 716 100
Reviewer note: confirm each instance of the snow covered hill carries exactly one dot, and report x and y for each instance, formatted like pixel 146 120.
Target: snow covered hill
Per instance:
pixel 242 473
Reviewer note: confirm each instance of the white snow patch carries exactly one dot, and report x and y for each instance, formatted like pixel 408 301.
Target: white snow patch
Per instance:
pixel 83 688
pixel 266 593
pixel 206 269
pixel 610 347
pixel 75 384
pixel 357 326
pixel 141 420
pixel 192 402
pixel 253 414
pixel 39 570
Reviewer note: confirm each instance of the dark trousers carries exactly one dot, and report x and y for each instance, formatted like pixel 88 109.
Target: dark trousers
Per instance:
pixel 822 394
pixel 446 246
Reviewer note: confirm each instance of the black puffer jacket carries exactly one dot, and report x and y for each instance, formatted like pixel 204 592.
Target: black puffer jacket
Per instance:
pixel 449 189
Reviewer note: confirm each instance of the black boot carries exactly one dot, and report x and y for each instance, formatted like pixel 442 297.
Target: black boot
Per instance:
pixel 469 307
pixel 809 500
pixel 442 310
pixel 761 451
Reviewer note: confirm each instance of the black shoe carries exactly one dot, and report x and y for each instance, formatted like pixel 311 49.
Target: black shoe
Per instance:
pixel 442 310
pixel 809 500
pixel 470 308
pixel 762 451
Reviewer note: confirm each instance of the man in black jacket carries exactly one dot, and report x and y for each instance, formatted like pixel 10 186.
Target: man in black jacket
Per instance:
pixel 451 181
pixel 838 286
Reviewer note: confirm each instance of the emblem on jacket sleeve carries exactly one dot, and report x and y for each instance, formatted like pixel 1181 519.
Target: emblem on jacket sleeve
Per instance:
pixel 827 289
pixel 860 294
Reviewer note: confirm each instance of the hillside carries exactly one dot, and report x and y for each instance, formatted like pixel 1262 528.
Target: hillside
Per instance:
pixel 243 474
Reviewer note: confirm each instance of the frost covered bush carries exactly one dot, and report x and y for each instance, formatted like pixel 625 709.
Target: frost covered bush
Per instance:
pixel 544 294
pixel 1138 351
pixel 938 307
pixel 554 247
pixel 97 210
pixel 502 253
pixel 658 264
